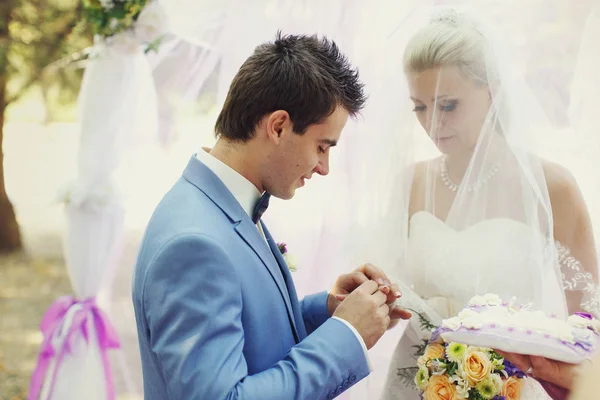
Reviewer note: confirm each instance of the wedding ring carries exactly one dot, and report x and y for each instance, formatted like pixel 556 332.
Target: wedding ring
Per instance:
pixel 529 371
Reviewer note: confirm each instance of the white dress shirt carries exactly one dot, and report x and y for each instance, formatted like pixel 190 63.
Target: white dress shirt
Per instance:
pixel 247 195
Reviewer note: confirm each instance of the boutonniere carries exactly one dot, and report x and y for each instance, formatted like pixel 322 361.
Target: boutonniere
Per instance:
pixel 287 257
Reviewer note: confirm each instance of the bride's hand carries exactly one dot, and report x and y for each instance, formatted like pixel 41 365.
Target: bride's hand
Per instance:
pixel 396 312
pixel 556 377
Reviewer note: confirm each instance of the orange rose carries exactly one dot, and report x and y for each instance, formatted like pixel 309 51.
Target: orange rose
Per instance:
pixel 440 388
pixel 477 366
pixel 434 350
pixel 511 389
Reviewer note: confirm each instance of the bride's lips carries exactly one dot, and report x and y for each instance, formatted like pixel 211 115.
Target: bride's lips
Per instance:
pixel 442 139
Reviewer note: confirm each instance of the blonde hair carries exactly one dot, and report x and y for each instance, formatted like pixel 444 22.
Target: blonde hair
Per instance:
pixel 450 39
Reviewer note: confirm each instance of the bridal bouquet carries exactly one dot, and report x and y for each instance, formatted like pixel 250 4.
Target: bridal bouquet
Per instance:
pixel 451 371
pixel 457 371
pixel 126 22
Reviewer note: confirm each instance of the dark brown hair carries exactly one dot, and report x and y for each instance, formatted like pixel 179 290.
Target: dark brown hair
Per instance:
pixel 304 75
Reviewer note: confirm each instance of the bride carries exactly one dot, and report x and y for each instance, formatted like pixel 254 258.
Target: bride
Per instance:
pixel 484 214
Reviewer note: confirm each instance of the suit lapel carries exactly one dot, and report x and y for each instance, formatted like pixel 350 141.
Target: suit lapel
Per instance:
pixel 289 282
pixel 249 232
pixel 206 181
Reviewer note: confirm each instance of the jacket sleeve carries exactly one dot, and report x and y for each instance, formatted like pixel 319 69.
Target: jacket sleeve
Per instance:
pixel 193 305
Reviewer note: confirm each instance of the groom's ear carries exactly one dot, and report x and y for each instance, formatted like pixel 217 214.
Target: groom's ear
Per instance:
pixel 277 124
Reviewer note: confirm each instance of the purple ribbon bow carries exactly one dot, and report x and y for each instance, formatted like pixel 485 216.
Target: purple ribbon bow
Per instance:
pixel 53 321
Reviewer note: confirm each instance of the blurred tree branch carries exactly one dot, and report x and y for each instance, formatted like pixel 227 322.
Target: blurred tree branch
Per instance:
pixel 34 34
pixel 53 48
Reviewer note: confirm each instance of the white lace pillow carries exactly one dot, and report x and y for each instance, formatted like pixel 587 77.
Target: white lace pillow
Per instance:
pixel 489 322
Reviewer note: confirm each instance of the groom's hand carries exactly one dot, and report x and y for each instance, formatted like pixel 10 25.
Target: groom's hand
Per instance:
pixel 347 283
pixel 366 310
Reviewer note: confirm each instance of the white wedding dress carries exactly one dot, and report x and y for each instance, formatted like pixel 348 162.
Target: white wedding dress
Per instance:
pixel 443 262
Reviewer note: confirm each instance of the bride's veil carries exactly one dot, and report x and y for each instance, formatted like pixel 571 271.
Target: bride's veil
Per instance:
pixel 485 174
pixel 460 158
pixel 476 121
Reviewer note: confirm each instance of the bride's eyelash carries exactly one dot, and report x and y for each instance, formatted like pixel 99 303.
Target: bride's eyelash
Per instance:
pixel 450 106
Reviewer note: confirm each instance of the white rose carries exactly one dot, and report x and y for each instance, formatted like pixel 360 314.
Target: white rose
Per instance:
pixel 452 323
pixel 567 337
pixel 477 301
pixel 492 299
pixel 473 322
pixel 578 321
pixel 583 334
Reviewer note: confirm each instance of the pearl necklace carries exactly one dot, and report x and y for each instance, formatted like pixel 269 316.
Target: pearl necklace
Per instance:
pixel 471 187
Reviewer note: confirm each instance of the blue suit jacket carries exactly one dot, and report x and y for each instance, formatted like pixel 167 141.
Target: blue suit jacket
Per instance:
pixel 217 312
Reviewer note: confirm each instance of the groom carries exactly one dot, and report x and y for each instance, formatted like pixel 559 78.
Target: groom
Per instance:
pixel 216 309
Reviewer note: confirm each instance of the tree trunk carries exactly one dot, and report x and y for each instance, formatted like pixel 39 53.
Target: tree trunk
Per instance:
pixel 10 236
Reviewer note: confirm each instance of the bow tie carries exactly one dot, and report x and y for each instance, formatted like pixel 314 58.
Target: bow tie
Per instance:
pixel 261 207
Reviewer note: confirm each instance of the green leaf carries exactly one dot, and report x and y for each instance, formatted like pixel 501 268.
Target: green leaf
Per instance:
pixel 407 376
pixel 420 349
pixel 475 395
pixel 426 325
pixel 154 45
pixel 452 367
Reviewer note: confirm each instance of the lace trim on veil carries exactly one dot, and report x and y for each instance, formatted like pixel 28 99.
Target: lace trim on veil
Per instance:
pixel 576 278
